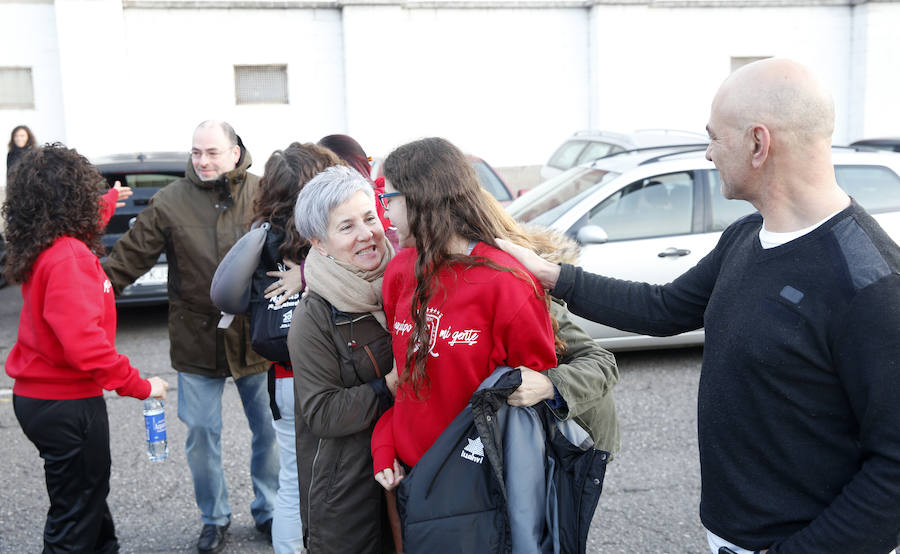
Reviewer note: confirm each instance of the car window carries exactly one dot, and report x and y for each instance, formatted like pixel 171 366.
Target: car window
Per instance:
pixel 490 182
pixel 544 204
pixel 141 180
pixel 657 206
pixel 149 180
pixel 876 188
pixel 724 212
pixel 596 150
pixel 566 155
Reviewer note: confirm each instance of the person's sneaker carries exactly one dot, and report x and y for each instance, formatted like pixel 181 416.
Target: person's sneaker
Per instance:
pixel 212 538
pixel 266 529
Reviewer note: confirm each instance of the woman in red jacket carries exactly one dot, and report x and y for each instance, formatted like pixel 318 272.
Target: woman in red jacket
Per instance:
pixel 457 306
pixel 65 353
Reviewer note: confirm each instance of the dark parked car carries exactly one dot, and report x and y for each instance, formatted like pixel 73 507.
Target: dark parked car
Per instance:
pixel 145 173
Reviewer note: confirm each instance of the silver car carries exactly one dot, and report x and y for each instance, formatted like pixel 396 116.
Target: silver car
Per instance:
pixel 651 215
pixel 586 146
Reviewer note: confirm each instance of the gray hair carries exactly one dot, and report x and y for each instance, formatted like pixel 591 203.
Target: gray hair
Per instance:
pixel 322 194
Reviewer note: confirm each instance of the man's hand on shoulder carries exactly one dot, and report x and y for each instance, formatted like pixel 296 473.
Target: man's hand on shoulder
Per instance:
pixel 546 272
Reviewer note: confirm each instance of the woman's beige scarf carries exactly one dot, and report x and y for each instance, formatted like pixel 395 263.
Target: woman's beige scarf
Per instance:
pixel 347 287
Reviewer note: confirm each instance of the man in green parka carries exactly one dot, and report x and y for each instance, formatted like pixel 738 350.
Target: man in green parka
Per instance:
pixel 195 221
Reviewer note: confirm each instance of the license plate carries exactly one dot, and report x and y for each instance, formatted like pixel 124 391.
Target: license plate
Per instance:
pixel 158 275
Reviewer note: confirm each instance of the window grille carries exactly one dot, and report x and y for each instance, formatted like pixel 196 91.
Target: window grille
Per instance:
pixel 260 84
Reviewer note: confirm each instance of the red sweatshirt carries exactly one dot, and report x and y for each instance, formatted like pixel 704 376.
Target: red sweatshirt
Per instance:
pixel 67 328
pixel 480 318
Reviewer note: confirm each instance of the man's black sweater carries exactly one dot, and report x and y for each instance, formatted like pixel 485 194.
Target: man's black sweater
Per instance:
pixel 799 402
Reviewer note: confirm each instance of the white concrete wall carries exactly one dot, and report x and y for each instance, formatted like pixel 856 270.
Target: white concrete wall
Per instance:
pixel 874 84
pixel 28 39
pixel 501 83
pixel 660 67
pixel 506 83
pixel 93 56
pixel 181 72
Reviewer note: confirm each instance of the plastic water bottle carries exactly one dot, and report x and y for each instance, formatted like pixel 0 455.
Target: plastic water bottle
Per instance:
pixel 155 421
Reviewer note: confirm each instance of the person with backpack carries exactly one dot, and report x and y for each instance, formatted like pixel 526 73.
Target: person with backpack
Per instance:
pixel 260 263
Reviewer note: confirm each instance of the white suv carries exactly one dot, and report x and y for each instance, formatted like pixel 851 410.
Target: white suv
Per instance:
pixel 651 215
pixel 587 146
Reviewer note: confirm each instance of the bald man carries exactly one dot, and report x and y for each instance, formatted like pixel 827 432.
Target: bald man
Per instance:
pixel 195 221
pixel 799 401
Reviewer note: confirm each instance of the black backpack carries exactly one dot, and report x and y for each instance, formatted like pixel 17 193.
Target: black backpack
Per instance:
pixel 455 498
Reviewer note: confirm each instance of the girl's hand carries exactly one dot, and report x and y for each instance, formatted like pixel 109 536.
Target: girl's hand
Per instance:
pixel 391 380
pixel 123 192
pixel 288 284
pixel 535 387
pixel 388 478
pixel 158 387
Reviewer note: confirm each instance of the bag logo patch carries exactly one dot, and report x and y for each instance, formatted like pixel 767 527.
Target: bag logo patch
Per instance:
pixel 474 451
pixel 286 319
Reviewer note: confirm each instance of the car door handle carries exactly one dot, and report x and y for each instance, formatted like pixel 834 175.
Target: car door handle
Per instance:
pixel 141 201
pixel 677 252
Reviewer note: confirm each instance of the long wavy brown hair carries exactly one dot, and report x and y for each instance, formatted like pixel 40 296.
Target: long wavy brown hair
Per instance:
pixel 52 192
pixel 285 174
pixel 443 200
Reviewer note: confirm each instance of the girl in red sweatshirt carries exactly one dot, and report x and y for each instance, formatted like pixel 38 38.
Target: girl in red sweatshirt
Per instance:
pixel 65 352
pixel 456 306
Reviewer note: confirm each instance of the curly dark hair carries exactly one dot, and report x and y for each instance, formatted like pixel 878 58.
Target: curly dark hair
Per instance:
pixel 285 174
pixel 52 192
pixel 443 199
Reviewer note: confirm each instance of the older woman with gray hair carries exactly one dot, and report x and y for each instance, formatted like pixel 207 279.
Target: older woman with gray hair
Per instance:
pixel 343 365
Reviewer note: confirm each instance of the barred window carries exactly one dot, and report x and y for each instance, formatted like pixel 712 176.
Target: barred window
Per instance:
pixel 16 88
pixel 260 84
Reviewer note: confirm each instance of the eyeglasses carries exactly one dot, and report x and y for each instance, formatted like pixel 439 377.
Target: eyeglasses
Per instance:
pixel 385 197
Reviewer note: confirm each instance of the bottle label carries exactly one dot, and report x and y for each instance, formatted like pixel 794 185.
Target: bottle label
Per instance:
pixel 155 422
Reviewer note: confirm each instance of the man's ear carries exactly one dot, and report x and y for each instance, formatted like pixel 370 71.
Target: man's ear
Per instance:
pixel 319 246
pixel 761 141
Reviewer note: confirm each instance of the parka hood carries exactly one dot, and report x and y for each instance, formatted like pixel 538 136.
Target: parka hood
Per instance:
pixel 552 245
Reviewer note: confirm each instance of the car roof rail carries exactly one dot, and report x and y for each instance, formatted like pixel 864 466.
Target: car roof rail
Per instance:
pixel 598 133
pixel 689 147
pixel 665 131
pixel 858 148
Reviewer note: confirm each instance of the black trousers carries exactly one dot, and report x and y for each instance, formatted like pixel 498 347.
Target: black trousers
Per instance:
pixel 72 437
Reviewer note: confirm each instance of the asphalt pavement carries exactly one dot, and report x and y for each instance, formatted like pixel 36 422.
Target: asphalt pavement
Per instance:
pixel 649 504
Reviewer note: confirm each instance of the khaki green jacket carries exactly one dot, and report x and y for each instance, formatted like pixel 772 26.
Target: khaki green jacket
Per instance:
pixel 585 378
pixel 336 407
pixel 587 372
pixel 195 223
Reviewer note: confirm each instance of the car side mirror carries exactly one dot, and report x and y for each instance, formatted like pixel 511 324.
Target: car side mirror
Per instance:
pixel 592 234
